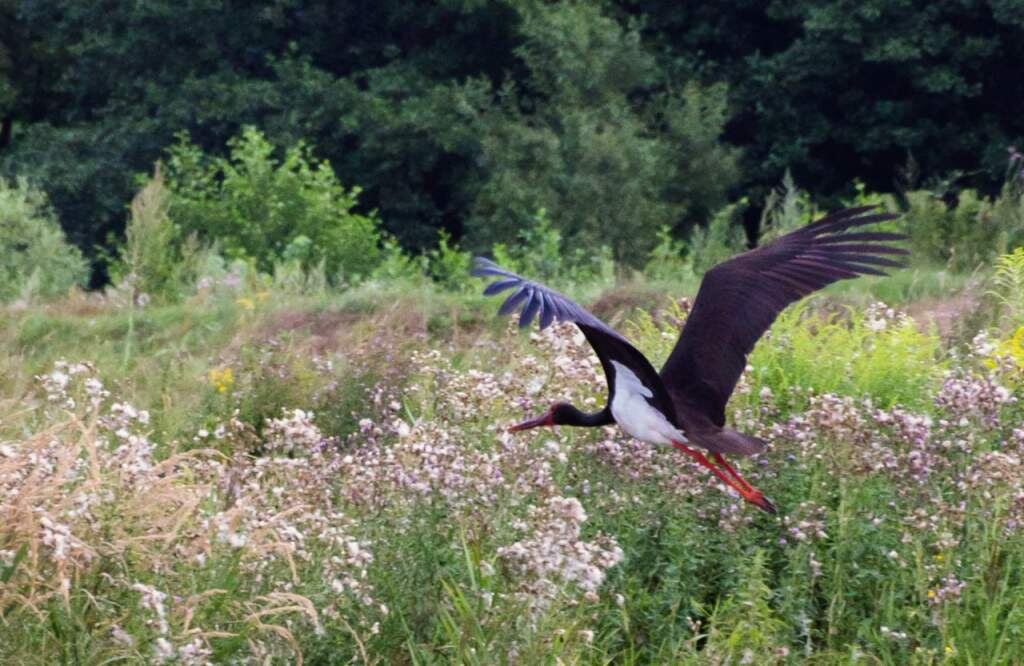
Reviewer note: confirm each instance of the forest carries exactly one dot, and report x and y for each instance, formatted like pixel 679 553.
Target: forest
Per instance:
pixel 254 407
pixel 468 116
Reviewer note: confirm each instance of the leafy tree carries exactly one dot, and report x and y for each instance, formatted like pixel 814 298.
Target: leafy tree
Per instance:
pixel 387 91
pixel 36 260
pixel 609 170
pixel 256 206
pixel 837 90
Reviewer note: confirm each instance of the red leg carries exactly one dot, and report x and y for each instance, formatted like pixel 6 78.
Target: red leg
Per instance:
pixel 748 492
pixel 700 458
pixel 720 459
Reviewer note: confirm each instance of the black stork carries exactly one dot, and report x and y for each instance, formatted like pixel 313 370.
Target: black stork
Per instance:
pixel 737 302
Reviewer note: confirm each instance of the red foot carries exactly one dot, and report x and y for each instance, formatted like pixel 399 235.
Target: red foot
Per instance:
pixel 746 491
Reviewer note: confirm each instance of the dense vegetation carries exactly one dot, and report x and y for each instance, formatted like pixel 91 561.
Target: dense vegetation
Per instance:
pixel 470 115
pixel 266 467
pixel 274 428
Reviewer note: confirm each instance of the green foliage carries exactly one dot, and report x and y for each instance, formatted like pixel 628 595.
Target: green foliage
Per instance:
pixel 721 239
pixel 666 261
pixel 256 206
pixel 540 253
pixel 786 209
pixel 973 232
pixel 448 265
pixel 396 265
pixel 873 353
pixel 154 259
pixel 575 142
pixel 1008 279
pixel 608 114
pixel 836 93
pixel 36 261
pixel 745 626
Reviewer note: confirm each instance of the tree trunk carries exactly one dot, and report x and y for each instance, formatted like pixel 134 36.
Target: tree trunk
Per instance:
pixel 6 128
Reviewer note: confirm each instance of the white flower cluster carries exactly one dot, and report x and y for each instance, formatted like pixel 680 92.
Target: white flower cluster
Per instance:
pixel 553 556
pixel 294 433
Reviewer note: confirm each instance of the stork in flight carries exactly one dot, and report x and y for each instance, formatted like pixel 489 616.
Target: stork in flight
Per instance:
pixel 684 404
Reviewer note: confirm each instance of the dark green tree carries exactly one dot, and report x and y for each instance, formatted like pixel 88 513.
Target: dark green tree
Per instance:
pixel 837 90
pixel 598 137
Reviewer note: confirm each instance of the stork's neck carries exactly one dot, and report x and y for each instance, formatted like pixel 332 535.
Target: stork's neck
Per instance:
pixel 565 414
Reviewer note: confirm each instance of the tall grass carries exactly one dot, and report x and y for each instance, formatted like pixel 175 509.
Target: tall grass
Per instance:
pixel 277 476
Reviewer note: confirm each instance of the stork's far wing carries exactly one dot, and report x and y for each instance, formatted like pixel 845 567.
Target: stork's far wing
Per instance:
pixel 740 298
pixel 537 300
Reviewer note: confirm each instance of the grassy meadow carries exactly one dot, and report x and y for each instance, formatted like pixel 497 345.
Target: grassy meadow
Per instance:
pixel 265 474
pixel 254 409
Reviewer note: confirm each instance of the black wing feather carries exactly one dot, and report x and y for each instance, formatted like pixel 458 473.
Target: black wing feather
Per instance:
pixel 608 344
pixel 740 298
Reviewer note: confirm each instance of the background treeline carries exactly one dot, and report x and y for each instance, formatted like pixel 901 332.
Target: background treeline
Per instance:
pixel 618 118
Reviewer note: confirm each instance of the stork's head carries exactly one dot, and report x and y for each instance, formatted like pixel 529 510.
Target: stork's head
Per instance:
pixel 560 413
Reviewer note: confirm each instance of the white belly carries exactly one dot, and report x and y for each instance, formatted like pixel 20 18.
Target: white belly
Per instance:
pixel 635 415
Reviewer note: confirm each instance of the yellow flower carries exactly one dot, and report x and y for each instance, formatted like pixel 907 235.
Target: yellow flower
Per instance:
pixel 1012 347
pixel 931 594
pixel 246 303
pixel 949 649
pixel 940 558
pixel 221 379
pixel 262 296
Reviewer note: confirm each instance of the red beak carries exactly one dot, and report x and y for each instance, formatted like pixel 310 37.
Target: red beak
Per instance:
pixel 546 419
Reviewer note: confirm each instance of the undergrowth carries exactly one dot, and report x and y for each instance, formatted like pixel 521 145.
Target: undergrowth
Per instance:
pixel 271 475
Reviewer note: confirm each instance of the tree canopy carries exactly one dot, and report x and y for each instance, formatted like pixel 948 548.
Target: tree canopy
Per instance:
pixel 617 117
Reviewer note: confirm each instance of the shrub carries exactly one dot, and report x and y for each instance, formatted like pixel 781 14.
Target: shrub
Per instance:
pixel 877 353
pixel 666 260
pixel 540 254
pixel 1008 279
pixel 449 265
pixel 259 207
pixel 720 240
pixel 969 234
pixel 36 261
pixel 155 259
pixel 786 209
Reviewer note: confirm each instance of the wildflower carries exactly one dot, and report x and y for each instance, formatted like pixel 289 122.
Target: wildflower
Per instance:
pixel 163 650
pixel 221 378
pixel 246 303
pixel 121 636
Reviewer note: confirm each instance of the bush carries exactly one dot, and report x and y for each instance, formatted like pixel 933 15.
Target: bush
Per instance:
pixel 448 265
pixel 971 233
pixel 541 255
pixel 877 353
pixel 258 207
pixel 721 239
pixel 786 209
pixel 667 260
pixel 154 259
pixel 1008 280
pixel 36 261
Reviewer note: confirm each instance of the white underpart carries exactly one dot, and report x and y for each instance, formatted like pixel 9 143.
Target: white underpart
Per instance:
pixel 635 415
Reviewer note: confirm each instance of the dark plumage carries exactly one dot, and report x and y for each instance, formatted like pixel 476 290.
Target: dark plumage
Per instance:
pixel 738 300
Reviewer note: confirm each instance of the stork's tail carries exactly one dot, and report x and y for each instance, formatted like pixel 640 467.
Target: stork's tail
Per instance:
pixel 728 440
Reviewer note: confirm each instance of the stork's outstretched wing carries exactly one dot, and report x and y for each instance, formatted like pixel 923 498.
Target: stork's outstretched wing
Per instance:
pixel 540 301
pixel 740 298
